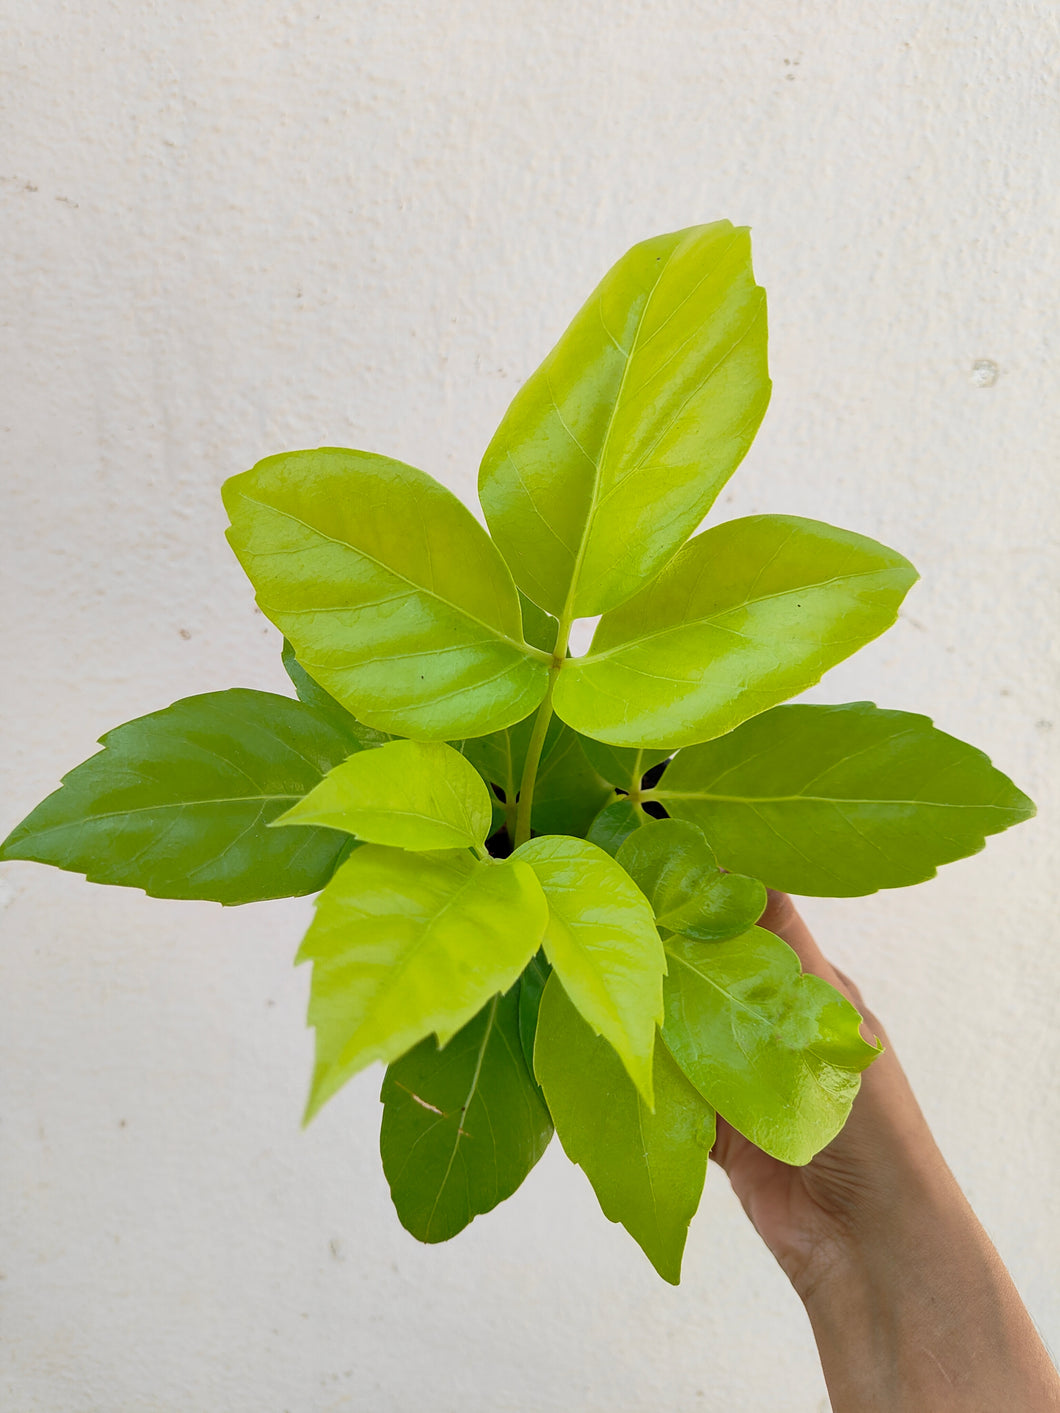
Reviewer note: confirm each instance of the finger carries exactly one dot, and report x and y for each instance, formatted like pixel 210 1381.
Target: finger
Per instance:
pixel 853 988
pixel 871 1028
pixel 724 1137
pixel 782 917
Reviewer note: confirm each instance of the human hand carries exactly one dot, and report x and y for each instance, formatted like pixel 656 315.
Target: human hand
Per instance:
pixel 809 1216
pixel 911 1307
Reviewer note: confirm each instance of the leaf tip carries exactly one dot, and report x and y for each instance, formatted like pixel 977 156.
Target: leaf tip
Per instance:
pixel 320 1091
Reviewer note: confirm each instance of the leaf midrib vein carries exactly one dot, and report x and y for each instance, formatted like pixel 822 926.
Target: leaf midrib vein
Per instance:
pixel 716 616
pixel 612 418
pixel 523 647
pixel 483 1044
pixel 154 809
pixel 753 800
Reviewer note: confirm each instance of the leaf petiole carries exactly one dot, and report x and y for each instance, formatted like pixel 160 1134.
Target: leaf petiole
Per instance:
pixel 537 736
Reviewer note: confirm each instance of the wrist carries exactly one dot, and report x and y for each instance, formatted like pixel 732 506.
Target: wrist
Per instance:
pixel 914 1309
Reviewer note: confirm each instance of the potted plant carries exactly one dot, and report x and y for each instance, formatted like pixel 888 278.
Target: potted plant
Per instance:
pixel 540 875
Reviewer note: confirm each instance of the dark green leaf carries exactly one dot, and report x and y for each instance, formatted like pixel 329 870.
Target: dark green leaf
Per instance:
pixel 531 985
pixel 462 1126
pixel 613 451
pixel 672 864
pixel 568 791
pixel 841 800
pixel 647 1169
pixel 392 594
pixel 500 757
pixel 747 614
pixel 775 1050
pixel 404 945
pixel 623 767
pixel 498 815
pixel 324 704
pixel 614 824
pixel 178 802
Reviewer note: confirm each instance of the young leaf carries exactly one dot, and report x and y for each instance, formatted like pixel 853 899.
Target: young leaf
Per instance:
pixel 623 768
pixel 647 1168
pixel 177 803
pixel 601 940
pixel 749 613
pixel 462 1126
pixel 774 1049
pixel 389 590
pixel 412 794
pixel 614 824
pixel 361 737
pixel 404 945
pixel 613 451
pixel 672 864
pixel 841 800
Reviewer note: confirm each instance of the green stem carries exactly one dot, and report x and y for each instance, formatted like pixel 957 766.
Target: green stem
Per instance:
pixel 537 738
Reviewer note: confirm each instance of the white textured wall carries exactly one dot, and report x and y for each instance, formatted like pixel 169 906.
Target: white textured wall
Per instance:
pixel 235 228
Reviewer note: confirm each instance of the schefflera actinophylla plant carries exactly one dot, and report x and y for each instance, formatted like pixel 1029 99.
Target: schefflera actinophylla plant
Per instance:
pixel 541 875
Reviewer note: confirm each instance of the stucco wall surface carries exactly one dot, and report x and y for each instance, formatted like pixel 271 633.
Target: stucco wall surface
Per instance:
pixel 234 229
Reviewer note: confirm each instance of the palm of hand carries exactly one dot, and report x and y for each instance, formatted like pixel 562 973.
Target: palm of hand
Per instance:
pixel 802 1214
pixel 806 1216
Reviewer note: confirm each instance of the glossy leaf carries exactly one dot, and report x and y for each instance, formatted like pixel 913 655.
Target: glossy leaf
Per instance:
pixel 462 1126
pixel 531 985
pixel 613 451
pixel 391 593
pixel 404 945
pixel 178 802
pixel 748 613
pixel 774 1049
pixel 614 824
pixel 411 794
pixel 624 768
pixel 841 800
pixel 672 864
pixel 646 1168
pixel 601 940
pixel 312 693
